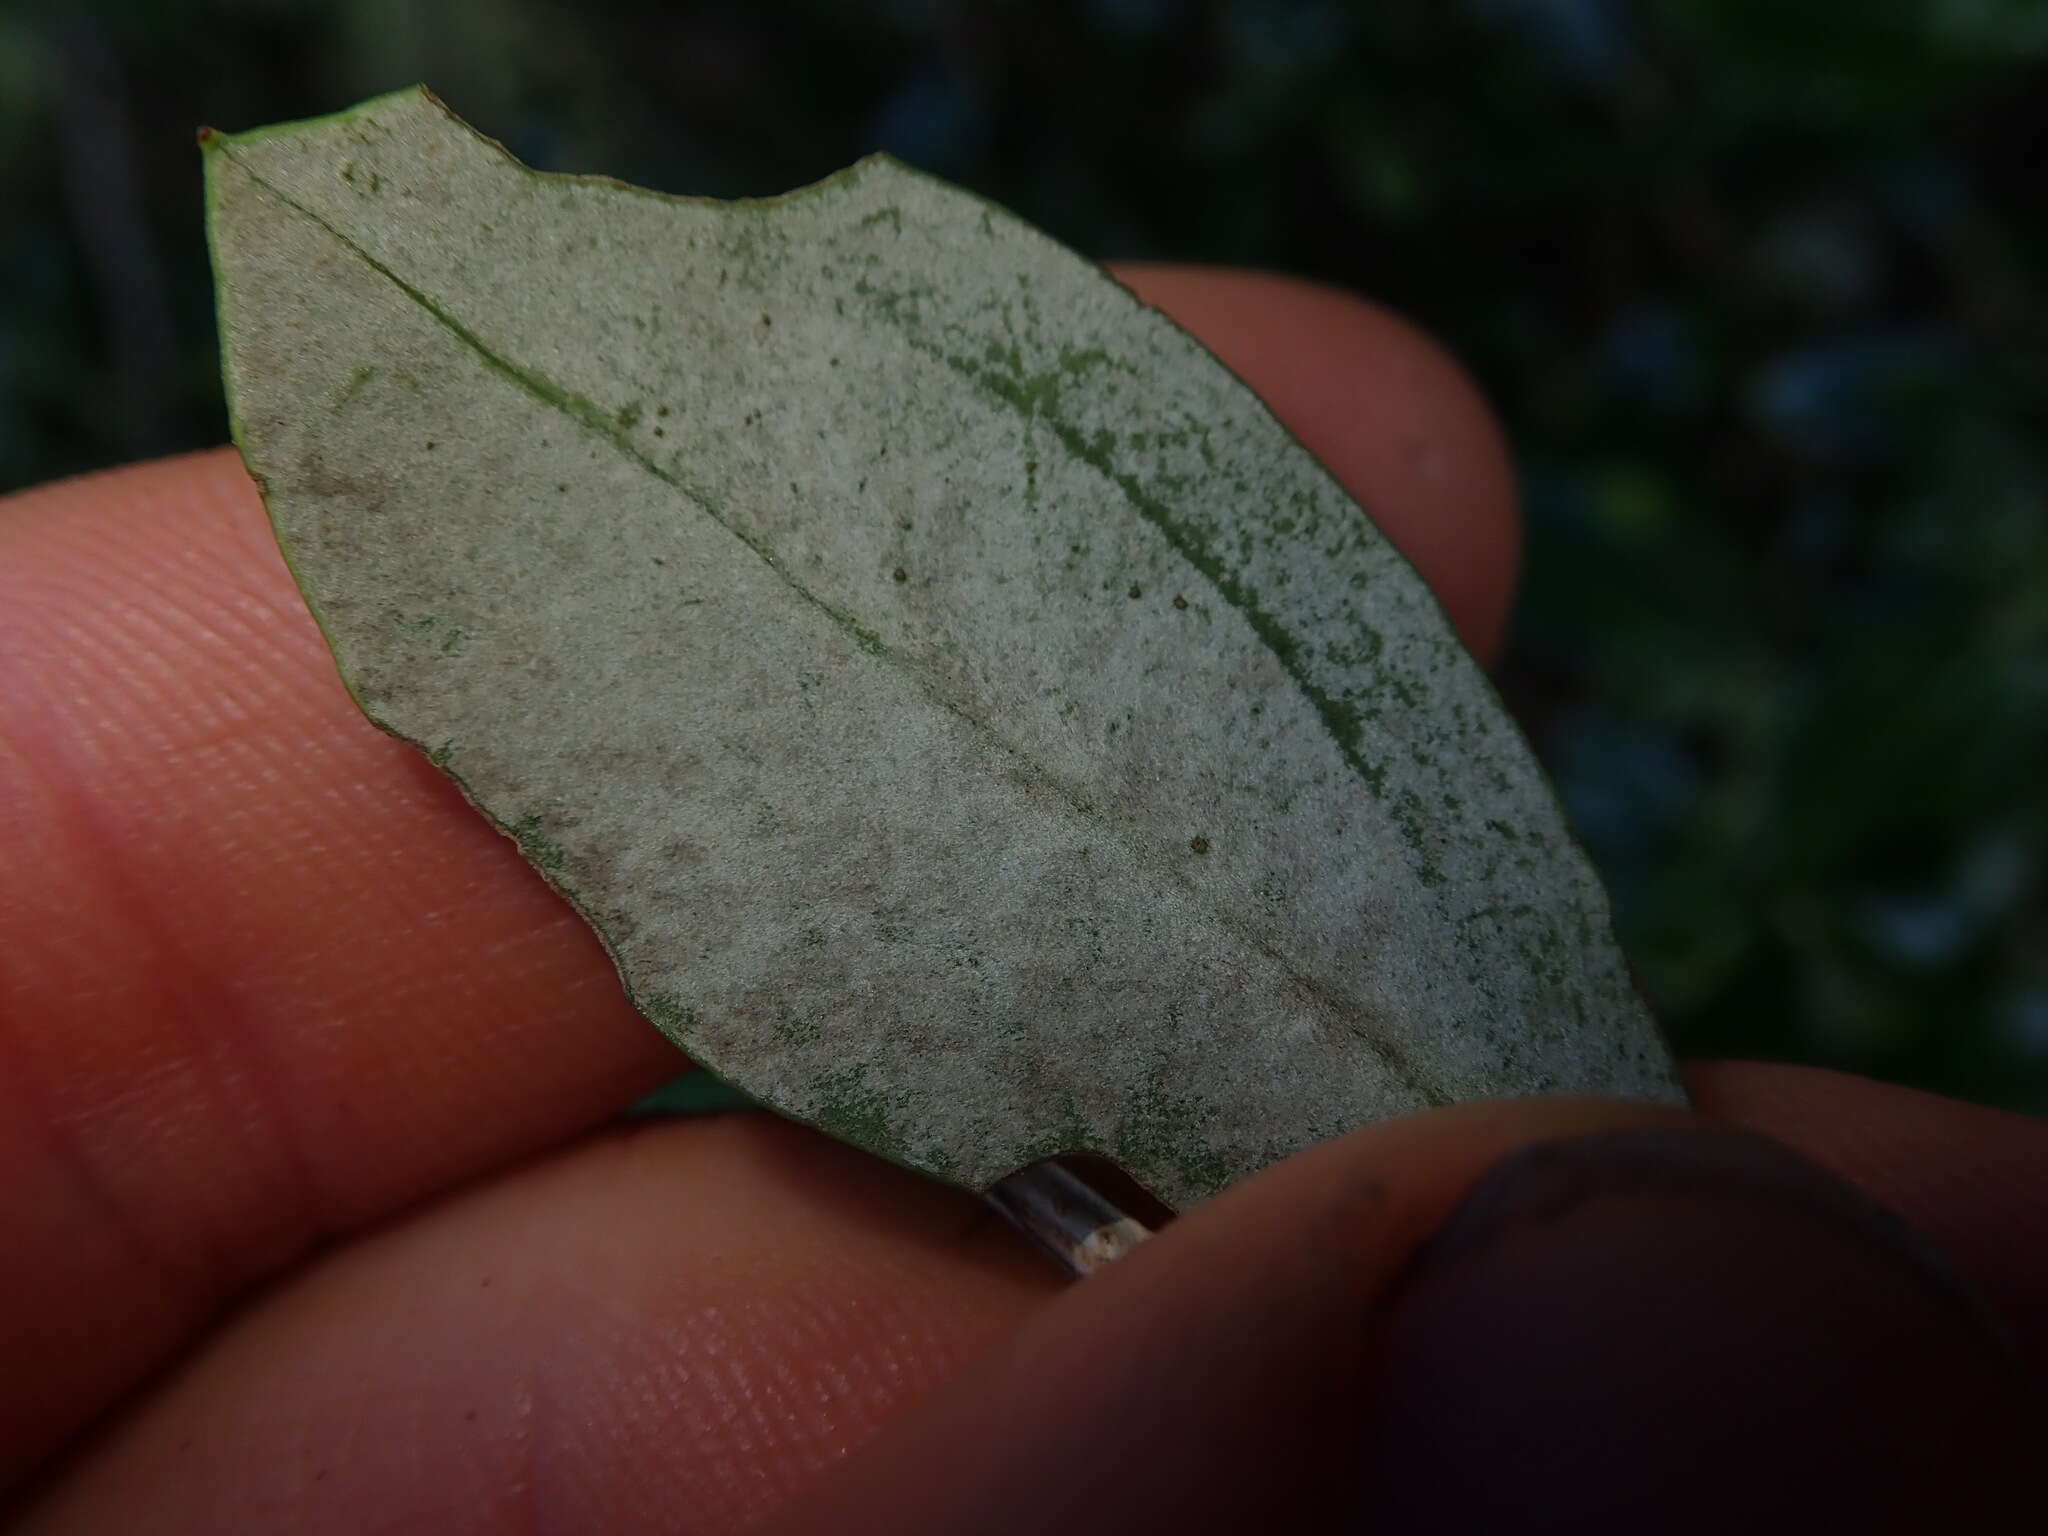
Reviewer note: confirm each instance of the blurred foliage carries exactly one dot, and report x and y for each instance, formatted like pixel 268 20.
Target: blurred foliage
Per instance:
pixel 1756 285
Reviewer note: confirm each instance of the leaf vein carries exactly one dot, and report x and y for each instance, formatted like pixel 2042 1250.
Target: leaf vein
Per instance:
pixel 584 412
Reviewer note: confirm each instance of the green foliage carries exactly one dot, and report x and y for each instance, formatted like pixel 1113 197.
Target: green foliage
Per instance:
pixel 1755 284
pixel 695 1093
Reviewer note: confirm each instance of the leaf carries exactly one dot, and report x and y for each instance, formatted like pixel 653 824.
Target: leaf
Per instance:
pixel 973 724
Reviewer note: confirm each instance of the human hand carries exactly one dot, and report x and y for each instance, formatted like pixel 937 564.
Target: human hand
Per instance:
pixel 319 1218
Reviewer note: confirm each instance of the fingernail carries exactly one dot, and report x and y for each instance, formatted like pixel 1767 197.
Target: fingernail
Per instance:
pixel 1680 1331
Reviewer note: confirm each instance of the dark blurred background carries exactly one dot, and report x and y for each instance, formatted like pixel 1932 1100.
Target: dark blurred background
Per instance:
pixel 1756 284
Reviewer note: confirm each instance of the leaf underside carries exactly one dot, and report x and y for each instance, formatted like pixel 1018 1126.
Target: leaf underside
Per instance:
pixel 972 723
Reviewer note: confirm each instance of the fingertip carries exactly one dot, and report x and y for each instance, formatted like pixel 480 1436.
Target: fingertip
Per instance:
pixel 1688 1330
pixel 1385 407
pixel 1592 1352
pixel 1210 1381
pixel 1973 1179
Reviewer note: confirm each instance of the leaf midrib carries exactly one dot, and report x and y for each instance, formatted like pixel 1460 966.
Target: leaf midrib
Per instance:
pixel 585 413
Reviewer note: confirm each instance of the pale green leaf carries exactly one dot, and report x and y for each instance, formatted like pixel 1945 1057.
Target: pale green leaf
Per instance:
pixel 973 724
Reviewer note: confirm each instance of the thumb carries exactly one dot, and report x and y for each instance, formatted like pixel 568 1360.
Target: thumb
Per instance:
pixel 1629 1321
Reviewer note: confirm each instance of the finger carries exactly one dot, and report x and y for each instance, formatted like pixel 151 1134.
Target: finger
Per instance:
pixel 676 1327
pixel 1411 436
pixel 263 976
pixel 667 1329
pixel 1657 1326
pixel 1974 1180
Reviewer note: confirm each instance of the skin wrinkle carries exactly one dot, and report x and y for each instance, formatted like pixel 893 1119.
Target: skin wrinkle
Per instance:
pixel 215 1034
pixel 79 1203
pixel 153 1159
pixel 157 1271
pixel 91 848
pixel 141 658
pixel 530 1500
pixel 185 599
